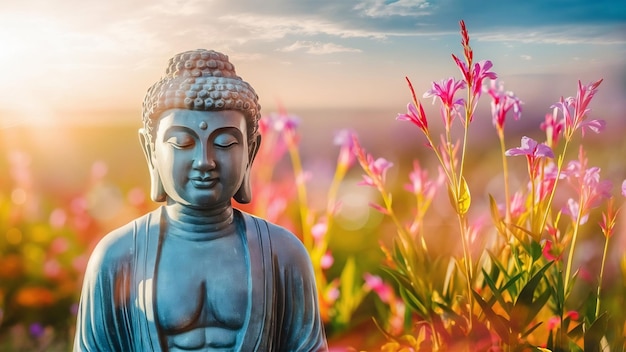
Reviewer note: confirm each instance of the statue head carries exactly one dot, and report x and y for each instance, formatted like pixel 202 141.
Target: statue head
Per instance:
pixel 199 85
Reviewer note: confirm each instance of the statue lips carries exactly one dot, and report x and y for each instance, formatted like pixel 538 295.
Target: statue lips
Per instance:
pixel 205 182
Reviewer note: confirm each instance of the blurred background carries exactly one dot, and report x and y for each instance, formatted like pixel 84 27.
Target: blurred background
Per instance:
pixel 73 75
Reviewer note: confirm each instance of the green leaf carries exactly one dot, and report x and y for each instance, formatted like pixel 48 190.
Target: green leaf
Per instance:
pixel 596 332
pixel 414 303
pixel 496 292
pixel 495 215
pixel 524 309
pixel 577 332
pixel 535 250
pixel 500 324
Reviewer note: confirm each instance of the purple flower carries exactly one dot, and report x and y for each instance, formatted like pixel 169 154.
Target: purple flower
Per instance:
pixel 533 152
pixel 553 127
pixel 501 103
pixel 531 148
pixel 445 91
pixel 36 330
pixel 576 109
pixel 345 140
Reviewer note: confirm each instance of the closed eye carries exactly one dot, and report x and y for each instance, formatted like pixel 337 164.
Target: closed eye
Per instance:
pixel 181 143
pixel 225 141
pixel 226 145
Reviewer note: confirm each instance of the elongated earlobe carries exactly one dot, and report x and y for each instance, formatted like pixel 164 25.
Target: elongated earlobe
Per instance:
pixel 244 193
pixel 157 192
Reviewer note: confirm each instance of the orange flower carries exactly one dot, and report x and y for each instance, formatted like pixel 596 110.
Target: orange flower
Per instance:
pixel 11 266
pixel 34 297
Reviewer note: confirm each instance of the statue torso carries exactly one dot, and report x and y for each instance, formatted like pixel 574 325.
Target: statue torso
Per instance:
pixel 202 292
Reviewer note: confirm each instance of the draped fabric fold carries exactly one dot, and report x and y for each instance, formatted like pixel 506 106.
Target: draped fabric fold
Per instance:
pixel 117 310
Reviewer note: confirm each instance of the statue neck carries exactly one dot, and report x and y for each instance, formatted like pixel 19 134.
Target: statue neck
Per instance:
pixel 199 224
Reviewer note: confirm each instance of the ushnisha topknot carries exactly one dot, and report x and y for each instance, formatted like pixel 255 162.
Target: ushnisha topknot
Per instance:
pixel 201 80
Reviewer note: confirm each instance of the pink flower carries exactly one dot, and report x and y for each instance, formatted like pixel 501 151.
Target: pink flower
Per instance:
pixel 572 208
pixel 575 110
pixel 327 260
pixel 345 140
pixel 415 111
pixel 419 180
pixel 533 152
pixel 553 127
pixel 624 188
pixel 445 91
pixel 531 148
pixel 376 284
pixel 319 230
pixel 501 103
pixel 553 322
pixel 376 170
pixel 549 253
pixel 417 117
pixel 586 182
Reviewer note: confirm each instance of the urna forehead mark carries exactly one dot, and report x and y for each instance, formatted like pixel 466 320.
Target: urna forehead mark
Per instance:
pixel 203 125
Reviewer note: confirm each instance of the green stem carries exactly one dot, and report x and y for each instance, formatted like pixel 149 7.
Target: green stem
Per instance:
pixel 570 257
pixel 606 247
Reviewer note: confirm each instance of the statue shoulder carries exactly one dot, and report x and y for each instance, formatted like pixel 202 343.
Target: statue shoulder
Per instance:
pixel 287 246
pixel 118 245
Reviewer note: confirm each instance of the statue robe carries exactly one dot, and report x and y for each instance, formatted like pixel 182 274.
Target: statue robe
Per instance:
pixel 117 311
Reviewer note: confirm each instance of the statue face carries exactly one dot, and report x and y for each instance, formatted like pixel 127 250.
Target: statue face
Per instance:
pixel 201 156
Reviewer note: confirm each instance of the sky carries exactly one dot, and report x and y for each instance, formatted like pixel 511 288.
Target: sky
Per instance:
pixel 66 56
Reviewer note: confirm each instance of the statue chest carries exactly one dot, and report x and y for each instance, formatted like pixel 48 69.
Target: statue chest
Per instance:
pixel 202 285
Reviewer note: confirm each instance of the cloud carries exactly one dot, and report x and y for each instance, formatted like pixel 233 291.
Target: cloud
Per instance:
pixel 588 34
pixel 317 48
pixel 385 8
pixel 267 27
pixel 526 57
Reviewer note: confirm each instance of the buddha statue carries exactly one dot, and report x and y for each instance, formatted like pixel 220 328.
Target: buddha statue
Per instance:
pixel 197 274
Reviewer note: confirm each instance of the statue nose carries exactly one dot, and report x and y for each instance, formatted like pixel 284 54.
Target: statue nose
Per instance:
pixel 204 161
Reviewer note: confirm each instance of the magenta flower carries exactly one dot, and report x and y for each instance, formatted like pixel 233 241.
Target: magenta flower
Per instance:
pixel 477 75
pixel 575 110
pixel 550 253
pixel 416 116
pixel 533 152
pixel 590 189
pixel 571 209
pixel 319 230
pixel 345 140
pixel 480 72
pixel 420 184
pixel 501 103
pixel 327 260
pixel 445 91
pixel 531 149
pixel 378 169
pixel 553 127
pixel 376 284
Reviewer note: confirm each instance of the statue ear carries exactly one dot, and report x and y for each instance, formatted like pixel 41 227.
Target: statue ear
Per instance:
pixel 244 193
pixel 157 193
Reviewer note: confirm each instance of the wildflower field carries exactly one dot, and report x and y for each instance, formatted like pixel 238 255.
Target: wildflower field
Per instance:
pixel 513 245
